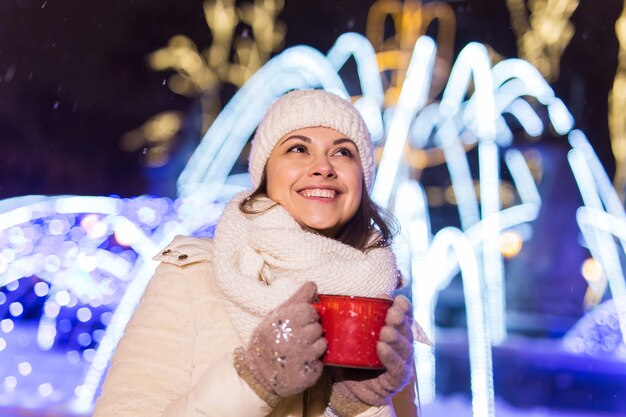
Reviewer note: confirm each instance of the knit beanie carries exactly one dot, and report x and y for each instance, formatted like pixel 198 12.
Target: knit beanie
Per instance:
pixel 301 109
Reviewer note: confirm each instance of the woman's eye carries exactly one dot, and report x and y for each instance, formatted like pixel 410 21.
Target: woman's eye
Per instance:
pixel 297 149
pixel 344 152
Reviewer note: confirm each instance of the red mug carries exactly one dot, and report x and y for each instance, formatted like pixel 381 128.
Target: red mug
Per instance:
pixel 351 327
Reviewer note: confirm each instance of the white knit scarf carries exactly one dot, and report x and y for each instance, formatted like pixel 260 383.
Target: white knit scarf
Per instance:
pixel 262 259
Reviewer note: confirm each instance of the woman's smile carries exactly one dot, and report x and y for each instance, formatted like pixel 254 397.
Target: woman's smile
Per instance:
pixel 319 193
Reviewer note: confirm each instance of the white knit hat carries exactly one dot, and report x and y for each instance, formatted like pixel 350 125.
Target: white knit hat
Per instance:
pixel 301 109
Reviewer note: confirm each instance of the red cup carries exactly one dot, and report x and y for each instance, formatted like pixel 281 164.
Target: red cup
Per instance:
pixel 351 327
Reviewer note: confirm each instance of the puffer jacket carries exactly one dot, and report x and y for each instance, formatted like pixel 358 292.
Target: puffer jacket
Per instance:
pixel 175 358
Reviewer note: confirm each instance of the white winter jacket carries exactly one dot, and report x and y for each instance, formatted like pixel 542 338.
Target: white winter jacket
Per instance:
pixel 175 358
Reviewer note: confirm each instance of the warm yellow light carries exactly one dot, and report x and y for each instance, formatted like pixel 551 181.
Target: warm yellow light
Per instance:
pixel 132 141
pixel 162 126
pixel 591 270
pixel 435 196
pixel 510 244
pixel 617 103
pixel 449 195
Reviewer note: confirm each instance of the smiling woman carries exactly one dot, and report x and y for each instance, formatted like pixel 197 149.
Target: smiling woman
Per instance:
pixel 320 160
pixel 228 326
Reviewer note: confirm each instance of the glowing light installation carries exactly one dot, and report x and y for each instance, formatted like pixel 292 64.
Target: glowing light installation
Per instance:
pixel 430 261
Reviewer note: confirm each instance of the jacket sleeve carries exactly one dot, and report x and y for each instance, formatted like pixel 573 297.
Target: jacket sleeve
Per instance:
pixel 151 371
pixel 219 392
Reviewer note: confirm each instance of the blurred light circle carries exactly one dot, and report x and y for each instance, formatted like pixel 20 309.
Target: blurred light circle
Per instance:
pixel 3 344
pixel 51 309
pixel 146 215
pixel 68 249
pixel 105 318
pixel 86 262
pixel 79 390
pixel 73 301
pixel 10 382
pixel 16 309
pixel 47 333
pixel 13 285
pixel 16 236
pixel 77 233
pixel 3 298
pixel 41 289
pixel 591 270
pixel 58 227
pixel 96 302
pixel 169 226
pixel 84 339
pixel 51 263
pixel 65 325
pixel 99 230
pixel 73 357
pixel 98 335
pixel 162 204
pixel 110 286
pixel 88 221
pixel 33 232
pixel 7 325
pixel 94 228
pixel 83 314
pixel 45 390
pixel 8 255
pixel 24 368
pixel 62 298
pixel 510 244
pixel 89 354
pixel 185 210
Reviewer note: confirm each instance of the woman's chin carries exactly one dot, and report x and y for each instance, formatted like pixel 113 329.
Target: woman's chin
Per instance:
pixel 321 229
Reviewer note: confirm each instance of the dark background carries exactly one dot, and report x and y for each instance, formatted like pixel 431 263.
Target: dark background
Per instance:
pixel 74 78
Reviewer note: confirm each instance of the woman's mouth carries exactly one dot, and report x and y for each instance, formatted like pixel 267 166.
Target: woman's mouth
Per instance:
pixel 319 193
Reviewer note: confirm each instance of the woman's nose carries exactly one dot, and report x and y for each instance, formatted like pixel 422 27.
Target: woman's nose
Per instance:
pixel 321 166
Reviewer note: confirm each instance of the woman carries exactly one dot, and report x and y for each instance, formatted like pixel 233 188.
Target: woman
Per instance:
pixel 226 327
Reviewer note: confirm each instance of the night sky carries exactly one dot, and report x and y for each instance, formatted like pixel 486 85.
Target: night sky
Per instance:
pixel 74 79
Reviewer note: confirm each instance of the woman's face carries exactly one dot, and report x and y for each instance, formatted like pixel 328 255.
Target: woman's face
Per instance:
pixel 316 175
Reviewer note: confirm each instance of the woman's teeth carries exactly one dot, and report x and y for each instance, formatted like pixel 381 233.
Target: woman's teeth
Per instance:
pixel 319 193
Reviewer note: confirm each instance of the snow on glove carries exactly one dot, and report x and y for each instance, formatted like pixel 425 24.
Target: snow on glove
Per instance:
pixel 283 356
pixel 357 390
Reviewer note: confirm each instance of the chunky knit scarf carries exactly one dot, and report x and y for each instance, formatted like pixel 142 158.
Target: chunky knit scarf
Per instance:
pixel 262 259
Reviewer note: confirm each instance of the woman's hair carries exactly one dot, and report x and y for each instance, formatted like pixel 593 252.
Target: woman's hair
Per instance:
pixel 370 227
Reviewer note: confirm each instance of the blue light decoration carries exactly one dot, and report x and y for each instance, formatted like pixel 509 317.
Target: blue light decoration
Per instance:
pixel 80 264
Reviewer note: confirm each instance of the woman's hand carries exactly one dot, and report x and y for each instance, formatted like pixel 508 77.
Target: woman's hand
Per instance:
pixel 357 390
pixel 283 356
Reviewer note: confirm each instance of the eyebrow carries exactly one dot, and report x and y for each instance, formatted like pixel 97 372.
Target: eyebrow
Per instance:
pixel 308 140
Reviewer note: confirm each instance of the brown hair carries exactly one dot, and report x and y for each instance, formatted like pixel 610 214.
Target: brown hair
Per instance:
pixel 370 227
